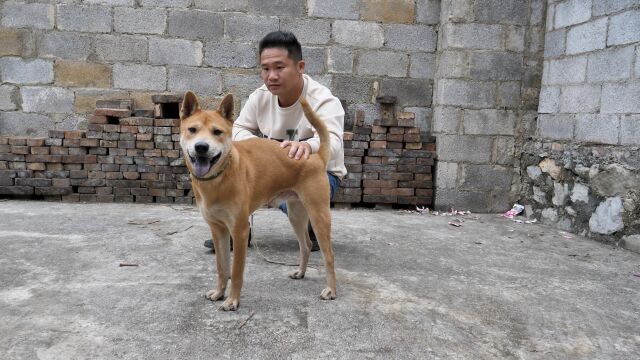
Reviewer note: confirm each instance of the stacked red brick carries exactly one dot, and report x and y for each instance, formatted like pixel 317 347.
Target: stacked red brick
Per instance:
pixel 124 156
pixel 397 166
pixel 356 144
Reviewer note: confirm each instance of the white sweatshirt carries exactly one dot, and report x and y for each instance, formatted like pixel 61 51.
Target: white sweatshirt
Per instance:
pixel 263 114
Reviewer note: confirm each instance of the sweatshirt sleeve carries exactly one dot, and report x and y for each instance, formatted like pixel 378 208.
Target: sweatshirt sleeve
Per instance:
pixel 330 111
pixel 246 125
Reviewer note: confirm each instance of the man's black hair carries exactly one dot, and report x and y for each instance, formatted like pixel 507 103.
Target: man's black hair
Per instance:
pixel 285 40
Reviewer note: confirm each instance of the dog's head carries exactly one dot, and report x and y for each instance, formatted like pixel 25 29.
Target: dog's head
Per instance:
pixel 205 136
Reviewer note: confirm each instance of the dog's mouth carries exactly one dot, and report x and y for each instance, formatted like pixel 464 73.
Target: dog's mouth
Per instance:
pixel 202 164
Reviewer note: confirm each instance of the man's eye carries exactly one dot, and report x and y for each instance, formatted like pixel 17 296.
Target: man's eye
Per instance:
pixel 192 130
pixel 217 132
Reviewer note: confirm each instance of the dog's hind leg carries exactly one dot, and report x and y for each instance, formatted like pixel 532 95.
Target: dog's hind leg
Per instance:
pixel 299 219
pixel 220 236
pixel 316 201
pixel 240 234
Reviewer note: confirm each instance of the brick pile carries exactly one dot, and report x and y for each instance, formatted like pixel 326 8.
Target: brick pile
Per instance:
pixel 133 155
pixel 125 155
pixel 390 162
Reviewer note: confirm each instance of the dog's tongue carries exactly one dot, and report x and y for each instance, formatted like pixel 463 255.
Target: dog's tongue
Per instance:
pixel 201 167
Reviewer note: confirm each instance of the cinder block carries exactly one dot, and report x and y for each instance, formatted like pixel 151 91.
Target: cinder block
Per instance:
pixel 509 94
pixel 587 37
pixel 139 20
pixel 121 48
pixel 598 128
pixel 249 28
pixel 175 52
pixel 501 12
pixel 504 150
pixel 549 100
pixel 459 148
pixel 240 85
pixel 166 3
pixel 556 127
pixel 471 36
pixel 453 64
pixel 143 77
pixel 340 60
pixel 90 18
pixel 630 130
pixel 465 93
pixel 314 60
pixel 308 31
pixel 411 38
pixel 378 63
pixel 489 122
pixel 476 201
pixel 554 43
pixel 81 74
pixel 422 65
pixel 8 97
pixel 572 12
pixel 20 71
pixel 580 99
pixel 515 38
pixel 485 177
pixel 196 25
pixel 283 8
pixel 20 15
pixel 204 81
pixel 621 97
pixel 353 89
pixel 111 2
pixel 11 40
pixel 446 120
pixel 65 45
pixel 46 99
pixel 334 9
pixel 496 66
pixel 605 7
pixel 428 11
pixel 610 65
pixel 388 11
pixel 409 92
pixel 231 55
pixel 222 5
pixel 624 28
pixel 360 34
pixel 567 71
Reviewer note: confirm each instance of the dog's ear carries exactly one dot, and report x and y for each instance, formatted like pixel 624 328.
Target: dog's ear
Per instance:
pixel 226 107
pixel 189 105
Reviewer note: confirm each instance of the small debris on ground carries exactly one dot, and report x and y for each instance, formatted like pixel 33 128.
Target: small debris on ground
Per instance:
pixel 455 222
pixel 177 231
pixel 516 210
pixel 128 264
pixel 142 222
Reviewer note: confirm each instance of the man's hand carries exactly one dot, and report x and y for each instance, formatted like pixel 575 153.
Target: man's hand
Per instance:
pixel 298 149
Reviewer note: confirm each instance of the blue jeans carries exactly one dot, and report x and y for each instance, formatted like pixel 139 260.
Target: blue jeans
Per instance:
pixel 334 184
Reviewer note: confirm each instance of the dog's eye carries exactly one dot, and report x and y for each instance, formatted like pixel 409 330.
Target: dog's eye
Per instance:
pixel 217 132
pixel 192 130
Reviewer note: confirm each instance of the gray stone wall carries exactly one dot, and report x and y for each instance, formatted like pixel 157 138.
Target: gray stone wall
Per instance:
pixel 489 63
pixel 58 57
pixel 581 172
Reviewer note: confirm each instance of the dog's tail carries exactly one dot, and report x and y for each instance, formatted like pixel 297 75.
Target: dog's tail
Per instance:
pixel 324 151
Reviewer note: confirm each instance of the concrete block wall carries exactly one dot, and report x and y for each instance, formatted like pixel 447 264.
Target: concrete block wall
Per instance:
pixel 489 64
pixel 58 57
pixel 581 172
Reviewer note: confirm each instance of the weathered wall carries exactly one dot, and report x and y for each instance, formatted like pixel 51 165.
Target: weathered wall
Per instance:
pixel 582 170
pixel 486 87
pixel 58 57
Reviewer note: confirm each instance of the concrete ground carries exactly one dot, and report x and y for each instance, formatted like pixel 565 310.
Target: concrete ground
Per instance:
pixel 409 286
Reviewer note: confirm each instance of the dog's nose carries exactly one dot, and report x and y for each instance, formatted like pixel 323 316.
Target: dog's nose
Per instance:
pixel 201 147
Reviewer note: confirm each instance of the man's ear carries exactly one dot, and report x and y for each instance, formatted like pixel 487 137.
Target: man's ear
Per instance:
pixel 226 107
pixel 189 105
pixel 300 66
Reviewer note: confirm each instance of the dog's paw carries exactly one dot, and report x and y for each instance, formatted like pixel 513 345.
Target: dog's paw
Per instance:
pixel 328 294
pixel 214 295
pixel 230 305
pixel 296 274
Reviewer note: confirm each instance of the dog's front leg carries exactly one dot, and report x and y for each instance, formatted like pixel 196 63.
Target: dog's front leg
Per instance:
pixel 240 234
pixel 220 236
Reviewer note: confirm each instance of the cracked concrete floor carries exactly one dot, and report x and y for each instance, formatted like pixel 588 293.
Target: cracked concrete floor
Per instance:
pixel 409 286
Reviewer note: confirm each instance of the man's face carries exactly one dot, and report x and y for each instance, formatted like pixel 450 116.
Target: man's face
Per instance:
pixel 279 73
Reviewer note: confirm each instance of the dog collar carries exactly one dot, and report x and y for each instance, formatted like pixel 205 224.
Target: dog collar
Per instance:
pixel 216 174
